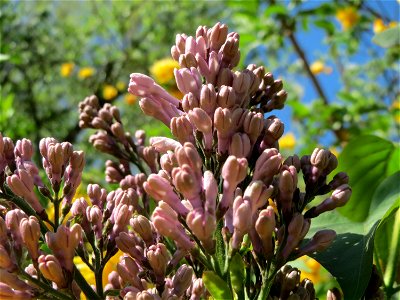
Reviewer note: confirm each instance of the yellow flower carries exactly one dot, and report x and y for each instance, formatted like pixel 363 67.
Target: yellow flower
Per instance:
pixel 121 85
pixel 347 17
pixel 163 70
pixel 380 26
pixel 88 274
pixel 272 203
pixel 130 99
pixel 86 72
pixel 334 151
pixel 312 271
pixel 109 92
pixel 288 141
pixel 176 93
pixel 396 105
pixel 66 69
pixel 318 67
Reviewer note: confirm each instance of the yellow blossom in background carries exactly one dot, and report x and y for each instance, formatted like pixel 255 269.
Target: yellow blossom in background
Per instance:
pixel 109 92
pixel 380 26
pixel 130 99
pixel 347 17
pixel 86 72
pixel 163 70
pixel 334 151
pixel 121 85
pixel 318 67
pixel 66 69
pixel 396 105
pixel 273 205
pixel 176 93
pixel 288 141
pixel 88 274
pixel 312 271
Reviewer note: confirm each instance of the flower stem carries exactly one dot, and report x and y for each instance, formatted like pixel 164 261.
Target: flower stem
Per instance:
pixel 45 287
pixel 84 286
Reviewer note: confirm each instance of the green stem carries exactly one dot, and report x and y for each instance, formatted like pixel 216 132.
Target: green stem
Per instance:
pixel 266 285
pixel 99 281
pixel 84 286
pixel 391 268
pixel 45 287
pixel 56 213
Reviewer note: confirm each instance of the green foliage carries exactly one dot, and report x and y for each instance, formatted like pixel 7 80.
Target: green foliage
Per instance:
pixel 366 159
pixel 237 276
pixel 349 258
pixel 216 286
pixel 388 38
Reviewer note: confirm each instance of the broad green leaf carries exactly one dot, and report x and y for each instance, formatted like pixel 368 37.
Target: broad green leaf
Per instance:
pixel 325 24
pixel 366 160
pixel 236 271
pixel 216 286
pixel 388 38
pixel 350 256
pixel 349 259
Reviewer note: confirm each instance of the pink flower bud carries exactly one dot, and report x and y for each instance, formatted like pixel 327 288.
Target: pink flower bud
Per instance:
pixel 339 198
pixel 127 244
pixel 274 130
pixel 144 86
pixel 208 99
pixel 242 220
pixel 96 194
pixel 21 183
pixel 51 269
pixel 189 102
pixel 63 243
pixel 187 60
pixel 267 165
pixel 211 192
pixel 188 155
pixel 24 149
pixel 6 261
pixel 265 226
pixel 142 226
pixel 294 234
pixel 339 179
pixel 188 80
pixel 253 125
pixel 203 225
pixel 240 145
pixel 160 189
pixel 293 161
pixel 165 220
pixel 168 161
pixel 30 233
pixel 201 120
pixel 182 129
pixel 257 193
pixel 218 36
pixel 6 292
pixel 12 220
pixel 287 186
pixel 241 84
pixel 186 182
pixel 154 108
pixel 233 172
pixel 158 257
pixel 128 270
pixel 226 97
pixel 319 242
pixel 182 280
pixel 12 280
pixel 225 77
pixel 163 144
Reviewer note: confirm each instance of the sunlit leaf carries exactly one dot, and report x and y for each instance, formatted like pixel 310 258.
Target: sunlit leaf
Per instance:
pixel 388 38
pixel 216 286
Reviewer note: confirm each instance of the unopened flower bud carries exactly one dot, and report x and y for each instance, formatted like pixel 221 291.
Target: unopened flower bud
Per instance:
pixel 218 36
pixel 208 99
pixel 51 269
pixel 267 165
pixel 6 292
pixel 319 242
pixel 240 145
pixel 12 280
pixel 30 233
pixel 158 257
pixel 226 97
pixel 3 231
pixel 128 269
pixel 182 280
pixel 5 260
pixel 265 226
pixel 189 102
pixel 142 226
pixel 182 129
pixel 338 180
pixel 126 243
pixel 293 161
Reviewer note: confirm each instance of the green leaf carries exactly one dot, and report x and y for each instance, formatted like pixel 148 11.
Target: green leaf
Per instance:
pixel 349 259
pixel 325 24
pixel 350 256
pixel 366 160
pixel 388 38
pixel 216 286
pixel 275 10
pixel 236 271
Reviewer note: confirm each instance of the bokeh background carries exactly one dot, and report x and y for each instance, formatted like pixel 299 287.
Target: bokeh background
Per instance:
pixel 339 61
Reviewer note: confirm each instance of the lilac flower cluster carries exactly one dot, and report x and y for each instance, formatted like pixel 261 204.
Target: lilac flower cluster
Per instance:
pixel 222 190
